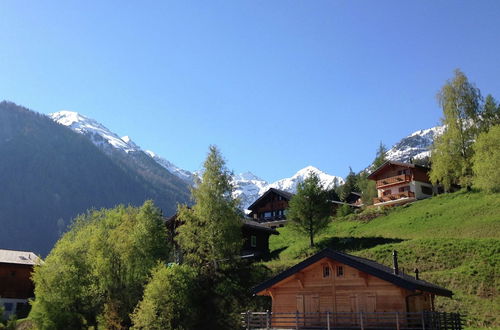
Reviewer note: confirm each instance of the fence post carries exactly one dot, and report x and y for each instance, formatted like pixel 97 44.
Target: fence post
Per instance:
pixel 361 321
pixel 423 321
pixel 397 320
pixel 296 319
pixel 267 319
pixel 328 320
pixel 248 320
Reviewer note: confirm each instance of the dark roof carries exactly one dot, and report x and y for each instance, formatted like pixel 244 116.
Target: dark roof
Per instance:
pixel 257 226
pixel 390 162
pixel 353 197
pixel 284 194
pixel 368 266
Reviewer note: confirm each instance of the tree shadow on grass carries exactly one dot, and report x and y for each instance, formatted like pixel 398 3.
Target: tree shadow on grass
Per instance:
pixel 348 244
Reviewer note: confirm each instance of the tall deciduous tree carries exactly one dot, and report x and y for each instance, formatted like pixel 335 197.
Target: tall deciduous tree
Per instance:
pixel 452 152
pixel 96 273
pixel 309 208
pixel 486 159
pixel 212 226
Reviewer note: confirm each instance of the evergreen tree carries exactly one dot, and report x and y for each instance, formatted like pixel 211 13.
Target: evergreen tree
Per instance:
pixel 309 209
pixel 452 152
pixel 490 115
pixel 212 226
pixel 350 185
pixel 486 159
pixel 380 157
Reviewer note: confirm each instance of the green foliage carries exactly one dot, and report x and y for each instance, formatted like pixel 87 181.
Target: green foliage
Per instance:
pixel 380 157
pixel 212 226
pixel 490 115
pixel 487 159
pixel 96 272
pixel 344 210
pixel 367 187
pixel 349 186
pixel 452 152
pixel 170 300
pixel 309 208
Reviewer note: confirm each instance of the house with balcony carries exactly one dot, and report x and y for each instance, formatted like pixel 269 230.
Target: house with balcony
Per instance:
pixel 269 209
pixel 400 183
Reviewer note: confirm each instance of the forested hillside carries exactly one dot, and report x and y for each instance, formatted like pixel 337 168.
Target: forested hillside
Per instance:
pixel 49 174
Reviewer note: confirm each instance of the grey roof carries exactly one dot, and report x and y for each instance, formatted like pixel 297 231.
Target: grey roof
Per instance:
pixel 368 266
pixel 18 257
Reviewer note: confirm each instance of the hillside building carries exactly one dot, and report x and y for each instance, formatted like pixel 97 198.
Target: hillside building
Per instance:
pixel 16 286
pixel 269 209
pixel 400 183
pixel 350 291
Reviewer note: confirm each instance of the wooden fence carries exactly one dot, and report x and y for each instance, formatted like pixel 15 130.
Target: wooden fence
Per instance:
pixel 326 320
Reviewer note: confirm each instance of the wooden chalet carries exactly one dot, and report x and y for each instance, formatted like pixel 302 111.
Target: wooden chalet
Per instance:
pixel 335 289
pixel 255 236
pixel 16 286
pixel 269 209
pixel 400 183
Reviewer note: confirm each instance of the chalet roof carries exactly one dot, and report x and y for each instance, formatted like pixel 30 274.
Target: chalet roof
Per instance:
pixel 170 221
pixel 284 194
pixel 257 226
pixel 368 266
pixel 390 162
pixel 18 257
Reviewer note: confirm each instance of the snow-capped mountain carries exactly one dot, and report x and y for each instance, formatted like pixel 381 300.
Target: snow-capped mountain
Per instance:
pixel 416 145
pixel 104 138
pixel 98 133
pixel 180 173
pixel 249 187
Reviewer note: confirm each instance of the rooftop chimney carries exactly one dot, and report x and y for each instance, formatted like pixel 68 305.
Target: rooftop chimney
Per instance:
pixel 395 262
pixel 416 274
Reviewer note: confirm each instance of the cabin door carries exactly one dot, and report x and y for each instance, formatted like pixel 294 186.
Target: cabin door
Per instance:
pixel 308 307
pixel 363 303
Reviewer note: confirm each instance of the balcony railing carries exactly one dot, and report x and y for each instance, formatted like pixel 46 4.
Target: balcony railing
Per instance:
pixel 393 180
pixel 363 320
pixel 393 197
pixel 272 218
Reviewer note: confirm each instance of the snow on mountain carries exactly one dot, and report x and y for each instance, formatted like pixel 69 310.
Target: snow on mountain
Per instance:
pixel 248 187
pixel 416 145
pixel 186 176
pixel 104 138
pixel 97 132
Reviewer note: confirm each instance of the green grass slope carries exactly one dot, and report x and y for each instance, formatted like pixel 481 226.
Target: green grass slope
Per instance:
pixel 453 239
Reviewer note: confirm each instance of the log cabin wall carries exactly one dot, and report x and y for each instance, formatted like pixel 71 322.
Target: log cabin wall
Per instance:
pixel 341 289
pixel 15 281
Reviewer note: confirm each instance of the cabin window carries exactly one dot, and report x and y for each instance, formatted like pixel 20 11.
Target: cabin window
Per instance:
pixel 326 271
pixel 426 190
pixel 8 307
pixel 253 241
pixel 405 188
pixel 268 214
pixel 340 271
pixel 387 192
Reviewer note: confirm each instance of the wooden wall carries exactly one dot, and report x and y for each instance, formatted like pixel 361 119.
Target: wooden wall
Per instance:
pixel 355 291
pixel 15 281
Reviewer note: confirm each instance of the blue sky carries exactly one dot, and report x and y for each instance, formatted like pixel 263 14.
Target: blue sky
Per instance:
pixel 277 85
